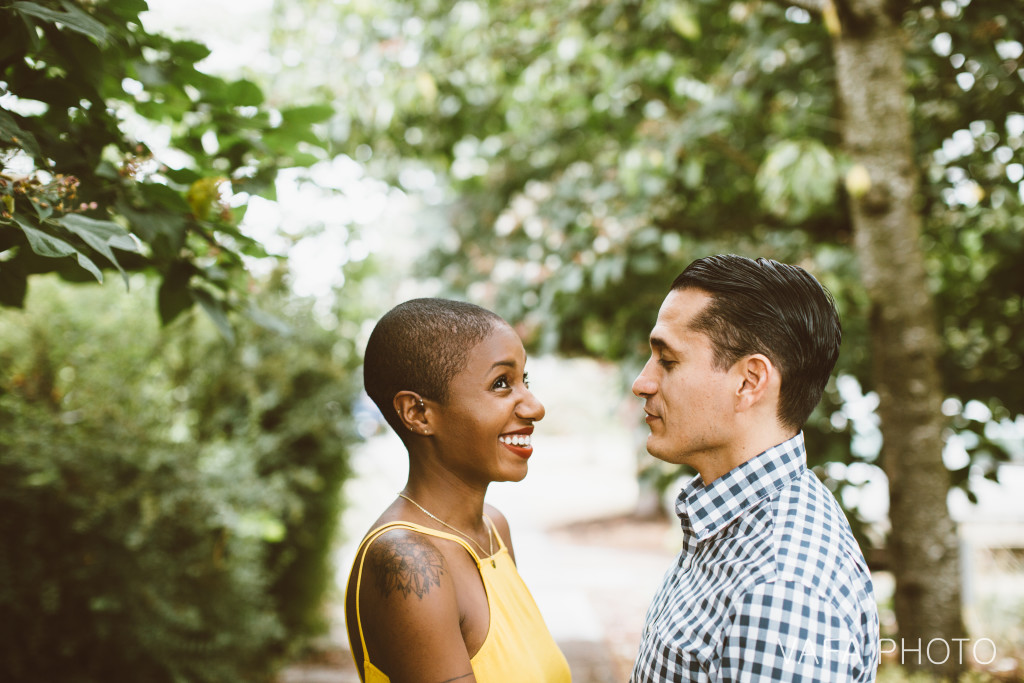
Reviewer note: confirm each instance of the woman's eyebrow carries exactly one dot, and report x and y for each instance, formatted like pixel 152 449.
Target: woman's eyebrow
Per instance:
pixel 503 363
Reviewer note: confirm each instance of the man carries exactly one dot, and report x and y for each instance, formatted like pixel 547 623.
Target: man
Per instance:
pixel 770 583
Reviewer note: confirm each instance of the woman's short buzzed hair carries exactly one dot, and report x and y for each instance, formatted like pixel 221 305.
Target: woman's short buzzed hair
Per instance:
pixel 419 346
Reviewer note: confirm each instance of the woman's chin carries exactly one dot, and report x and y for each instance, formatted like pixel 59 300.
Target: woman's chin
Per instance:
pixel 518 475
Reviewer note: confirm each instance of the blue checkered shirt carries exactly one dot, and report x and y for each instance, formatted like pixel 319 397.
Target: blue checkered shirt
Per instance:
pixel 770 583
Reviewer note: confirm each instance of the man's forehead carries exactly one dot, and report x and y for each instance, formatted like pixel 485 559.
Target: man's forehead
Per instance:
pixel 675 318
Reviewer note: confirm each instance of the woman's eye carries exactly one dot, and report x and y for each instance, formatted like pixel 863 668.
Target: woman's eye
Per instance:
pixel 501 383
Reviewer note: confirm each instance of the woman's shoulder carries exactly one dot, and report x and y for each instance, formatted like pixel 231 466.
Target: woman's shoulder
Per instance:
pixel 405 563
pixel 500 525
pixel 495 515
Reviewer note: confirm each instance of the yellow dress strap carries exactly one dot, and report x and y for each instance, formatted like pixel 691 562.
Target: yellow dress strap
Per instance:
pixel 494 530
pixel 412 526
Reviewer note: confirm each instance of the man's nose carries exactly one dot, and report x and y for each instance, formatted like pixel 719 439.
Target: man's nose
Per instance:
pixel 644 385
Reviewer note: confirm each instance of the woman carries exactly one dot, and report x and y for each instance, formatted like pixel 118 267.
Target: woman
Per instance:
pixel 434 595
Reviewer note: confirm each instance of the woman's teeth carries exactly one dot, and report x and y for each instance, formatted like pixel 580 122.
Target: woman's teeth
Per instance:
pixel 515 439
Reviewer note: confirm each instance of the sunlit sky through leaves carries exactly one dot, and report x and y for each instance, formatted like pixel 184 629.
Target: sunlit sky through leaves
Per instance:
pixel 342 215
pixel 326 205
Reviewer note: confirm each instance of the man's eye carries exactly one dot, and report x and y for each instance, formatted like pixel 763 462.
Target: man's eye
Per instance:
pixel 666 363
pixel 526 379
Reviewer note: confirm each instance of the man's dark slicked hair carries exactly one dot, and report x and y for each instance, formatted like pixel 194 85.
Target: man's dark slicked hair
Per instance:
pixel 774 309
pixel 419 346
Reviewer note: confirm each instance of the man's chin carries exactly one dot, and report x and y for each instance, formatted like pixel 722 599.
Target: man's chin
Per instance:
pixel 657 450
pixel 663 452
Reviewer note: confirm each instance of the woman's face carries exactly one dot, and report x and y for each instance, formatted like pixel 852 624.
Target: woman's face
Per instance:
pixel 485 426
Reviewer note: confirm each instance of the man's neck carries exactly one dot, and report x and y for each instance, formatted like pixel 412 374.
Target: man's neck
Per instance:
pixel 754 443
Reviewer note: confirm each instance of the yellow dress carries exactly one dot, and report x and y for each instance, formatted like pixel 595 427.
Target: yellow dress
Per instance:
pixel 518 646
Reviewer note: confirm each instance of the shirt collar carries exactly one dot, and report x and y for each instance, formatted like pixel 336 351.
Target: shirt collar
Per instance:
pixel 704 510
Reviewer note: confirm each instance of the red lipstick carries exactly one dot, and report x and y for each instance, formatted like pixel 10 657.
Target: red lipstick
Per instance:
pixel 519 442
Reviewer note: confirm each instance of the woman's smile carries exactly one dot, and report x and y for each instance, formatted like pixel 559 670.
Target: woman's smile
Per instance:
pixel 519 442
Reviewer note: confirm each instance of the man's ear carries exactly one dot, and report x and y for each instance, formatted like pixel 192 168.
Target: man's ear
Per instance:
pixel 759 381
pixel 413 412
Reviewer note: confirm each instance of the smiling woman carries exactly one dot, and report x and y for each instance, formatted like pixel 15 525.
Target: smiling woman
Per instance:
pixel 434 594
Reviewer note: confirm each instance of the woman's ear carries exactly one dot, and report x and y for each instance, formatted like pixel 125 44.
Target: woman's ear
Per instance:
pixel 413 412
pixel 759 382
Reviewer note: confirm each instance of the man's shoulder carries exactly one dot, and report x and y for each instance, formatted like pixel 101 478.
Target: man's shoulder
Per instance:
pixel 801 510
pixel 807 517
pixel 814 544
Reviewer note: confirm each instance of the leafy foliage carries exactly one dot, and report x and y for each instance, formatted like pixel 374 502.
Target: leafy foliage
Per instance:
pixel 167 509
pixel 119 554
pixel 582 153
pixel 82 85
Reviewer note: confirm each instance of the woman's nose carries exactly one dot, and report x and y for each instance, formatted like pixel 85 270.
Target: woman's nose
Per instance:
pixel 530 408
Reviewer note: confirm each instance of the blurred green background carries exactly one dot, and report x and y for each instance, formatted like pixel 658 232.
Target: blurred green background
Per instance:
pixel 255 183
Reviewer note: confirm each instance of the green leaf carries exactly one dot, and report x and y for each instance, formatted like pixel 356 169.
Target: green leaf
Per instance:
pixel 261 524
pixel 13 285
pixel 189 50
pixel 244 93
pixel 45 244
pixel 102 236
pixel 10 130
pixel 216 310
pixel 174 296
pixel 797 179
pixel 49 246
pixel 72 17
pixel 684 22
pixel 90 266
pixel 43 209
pixel 308 115
pixel 43 477
pixel 162 230
pixel 150 75
pixel 107 170
pixel 183 176
pixel 158 194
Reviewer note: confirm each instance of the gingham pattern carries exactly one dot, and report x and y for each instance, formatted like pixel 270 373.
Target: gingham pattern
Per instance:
pixel 770 583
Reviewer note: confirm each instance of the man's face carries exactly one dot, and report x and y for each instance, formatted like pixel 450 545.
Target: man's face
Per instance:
pixel 690 404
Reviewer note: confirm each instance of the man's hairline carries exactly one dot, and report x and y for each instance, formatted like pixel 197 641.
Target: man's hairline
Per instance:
pixel 689 327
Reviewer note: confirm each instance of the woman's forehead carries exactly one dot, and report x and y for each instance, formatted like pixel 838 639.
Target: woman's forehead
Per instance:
pixel 501 347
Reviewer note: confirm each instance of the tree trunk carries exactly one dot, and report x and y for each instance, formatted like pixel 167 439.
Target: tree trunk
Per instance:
pixel 905 342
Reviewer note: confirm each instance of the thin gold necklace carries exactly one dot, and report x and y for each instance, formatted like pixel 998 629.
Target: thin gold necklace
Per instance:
pixel 490 537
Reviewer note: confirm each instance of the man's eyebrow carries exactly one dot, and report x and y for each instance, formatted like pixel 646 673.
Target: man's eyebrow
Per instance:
pixel 659 344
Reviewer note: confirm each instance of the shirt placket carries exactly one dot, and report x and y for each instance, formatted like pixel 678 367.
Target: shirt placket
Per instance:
pixel 683 566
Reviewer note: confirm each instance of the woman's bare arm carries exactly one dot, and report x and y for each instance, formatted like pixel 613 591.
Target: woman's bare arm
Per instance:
pixel 409 611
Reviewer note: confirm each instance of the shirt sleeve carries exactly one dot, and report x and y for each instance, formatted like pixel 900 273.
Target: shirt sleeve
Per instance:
pixel 784 631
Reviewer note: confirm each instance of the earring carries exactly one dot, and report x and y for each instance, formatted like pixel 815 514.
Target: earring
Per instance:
pixel 420 401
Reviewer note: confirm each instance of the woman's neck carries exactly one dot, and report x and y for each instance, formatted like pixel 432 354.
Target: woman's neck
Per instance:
pixel 448 498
